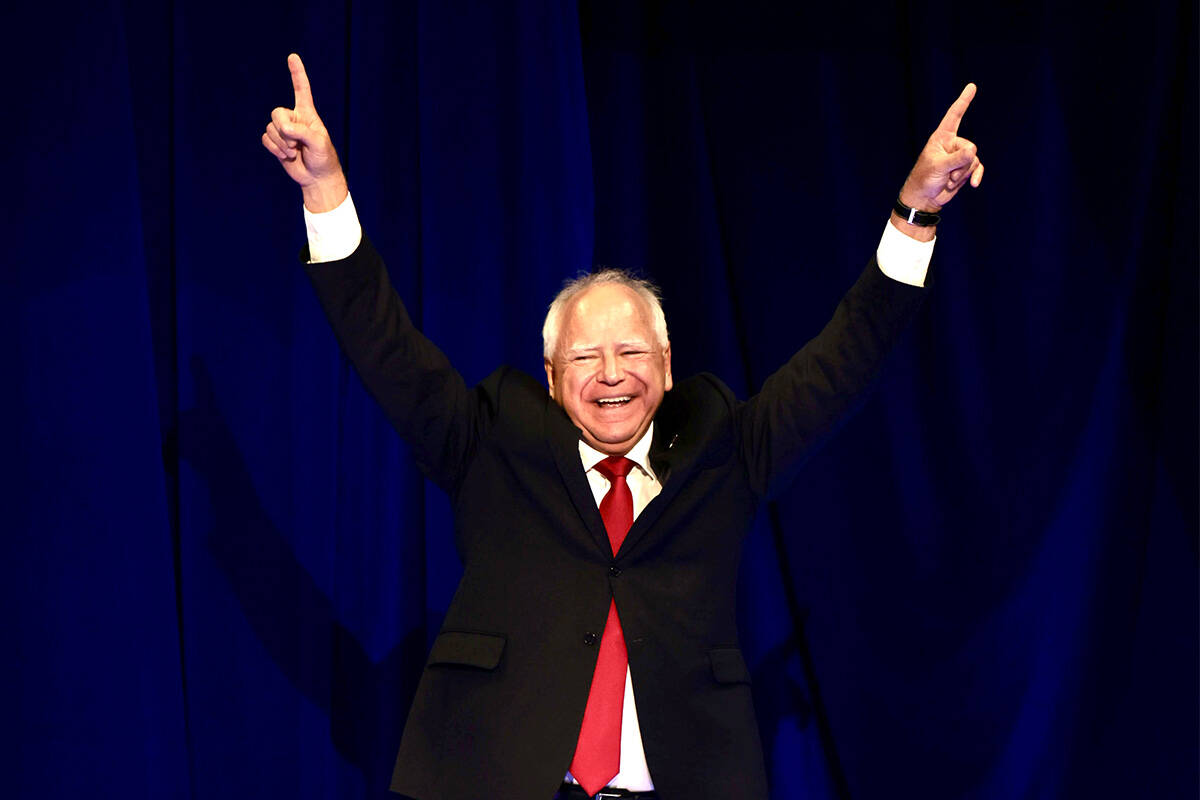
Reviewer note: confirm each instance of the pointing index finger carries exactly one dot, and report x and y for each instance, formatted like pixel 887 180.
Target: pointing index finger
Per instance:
pixel 300 83
pixel 954 115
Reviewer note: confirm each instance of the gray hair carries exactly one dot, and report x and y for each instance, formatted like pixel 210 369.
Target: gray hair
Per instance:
pixel 644 289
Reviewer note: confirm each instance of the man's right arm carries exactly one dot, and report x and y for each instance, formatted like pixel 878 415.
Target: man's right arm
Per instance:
pixel 420 391
pixel 414 383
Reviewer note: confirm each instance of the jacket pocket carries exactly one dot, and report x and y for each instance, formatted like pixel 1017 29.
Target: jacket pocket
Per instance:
pixel 728 666
pixel 462 648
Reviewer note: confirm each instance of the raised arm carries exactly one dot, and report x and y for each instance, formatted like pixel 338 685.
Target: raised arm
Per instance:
pixel 413 382
pixel 808 398
pixel 297 137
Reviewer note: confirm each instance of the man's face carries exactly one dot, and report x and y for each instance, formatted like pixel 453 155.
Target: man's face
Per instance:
pixel 609 373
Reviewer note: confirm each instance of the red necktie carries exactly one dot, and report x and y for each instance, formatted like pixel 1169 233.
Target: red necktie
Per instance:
pixel 598 754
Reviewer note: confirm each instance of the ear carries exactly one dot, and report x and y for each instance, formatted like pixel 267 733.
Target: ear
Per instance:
pixel 549 374
pixel 668 382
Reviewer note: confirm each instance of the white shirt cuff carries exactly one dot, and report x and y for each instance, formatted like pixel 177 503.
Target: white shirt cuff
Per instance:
pixel 902 258
pixel 333 235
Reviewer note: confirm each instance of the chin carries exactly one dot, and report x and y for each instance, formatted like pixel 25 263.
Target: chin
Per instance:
pixel 608 441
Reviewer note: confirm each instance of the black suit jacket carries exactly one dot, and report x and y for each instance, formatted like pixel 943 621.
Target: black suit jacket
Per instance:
pixel 500 702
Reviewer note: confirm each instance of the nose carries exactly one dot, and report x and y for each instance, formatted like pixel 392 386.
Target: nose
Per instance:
pixel 610 369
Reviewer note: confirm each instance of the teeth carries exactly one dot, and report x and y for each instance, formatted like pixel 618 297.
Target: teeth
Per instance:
pixel 613 401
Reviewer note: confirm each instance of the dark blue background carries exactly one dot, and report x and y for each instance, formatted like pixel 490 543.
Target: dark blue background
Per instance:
pixel 221 569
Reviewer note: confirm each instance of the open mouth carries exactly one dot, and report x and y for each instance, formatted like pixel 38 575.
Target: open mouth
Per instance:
pixel 614 402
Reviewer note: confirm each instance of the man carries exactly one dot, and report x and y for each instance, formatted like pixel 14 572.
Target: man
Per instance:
pixel 593 634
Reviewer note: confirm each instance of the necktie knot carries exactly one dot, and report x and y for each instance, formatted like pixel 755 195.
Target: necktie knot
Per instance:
pixel 615 467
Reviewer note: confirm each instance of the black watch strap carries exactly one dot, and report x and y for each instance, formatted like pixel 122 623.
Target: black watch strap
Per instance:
pixel 913 217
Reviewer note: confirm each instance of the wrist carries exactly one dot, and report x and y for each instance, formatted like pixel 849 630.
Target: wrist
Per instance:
pixel 325 194
pixel 915 199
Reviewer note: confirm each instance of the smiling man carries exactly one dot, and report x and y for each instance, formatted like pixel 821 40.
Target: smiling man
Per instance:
pixel 607 358
pixel 592 645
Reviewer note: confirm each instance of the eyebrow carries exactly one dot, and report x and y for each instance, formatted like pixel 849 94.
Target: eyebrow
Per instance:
pixel 581 349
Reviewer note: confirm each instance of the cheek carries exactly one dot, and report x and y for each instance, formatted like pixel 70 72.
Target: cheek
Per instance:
pixel 572 386
pixel 651 376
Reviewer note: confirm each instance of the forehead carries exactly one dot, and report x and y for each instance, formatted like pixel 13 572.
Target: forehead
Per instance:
pixel 608 311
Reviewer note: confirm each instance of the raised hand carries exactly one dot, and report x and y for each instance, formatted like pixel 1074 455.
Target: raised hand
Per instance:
pixel 298 138
pixel 946 163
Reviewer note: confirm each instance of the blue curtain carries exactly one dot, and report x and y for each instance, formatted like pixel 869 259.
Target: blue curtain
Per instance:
pixel 223 570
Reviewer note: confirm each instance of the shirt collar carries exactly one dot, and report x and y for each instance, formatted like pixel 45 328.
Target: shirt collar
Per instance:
pixel 639 454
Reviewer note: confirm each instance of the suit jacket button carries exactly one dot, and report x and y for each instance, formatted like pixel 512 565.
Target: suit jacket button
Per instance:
pixel 590 639
pixel 614 570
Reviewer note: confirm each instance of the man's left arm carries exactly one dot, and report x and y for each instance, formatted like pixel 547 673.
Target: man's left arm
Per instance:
pixel 804 401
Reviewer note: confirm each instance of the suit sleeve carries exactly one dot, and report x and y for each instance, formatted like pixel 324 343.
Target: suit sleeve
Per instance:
pixel 803 402
pixel 422 394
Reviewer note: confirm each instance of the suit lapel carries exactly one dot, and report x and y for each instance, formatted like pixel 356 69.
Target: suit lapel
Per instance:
pixel 563 437
pixel 672 457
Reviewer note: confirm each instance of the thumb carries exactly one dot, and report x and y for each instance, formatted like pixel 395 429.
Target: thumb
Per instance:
pixel 962 154
pixel 293 128
pixel 305 134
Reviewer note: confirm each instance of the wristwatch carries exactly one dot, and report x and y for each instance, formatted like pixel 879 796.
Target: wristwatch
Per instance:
pixel 923 219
